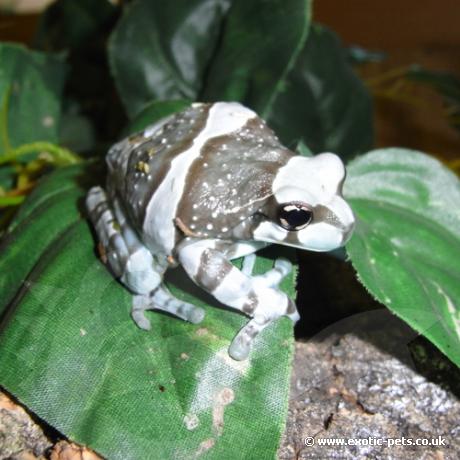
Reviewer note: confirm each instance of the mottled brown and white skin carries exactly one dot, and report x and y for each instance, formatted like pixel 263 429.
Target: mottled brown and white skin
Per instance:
pixel 202 187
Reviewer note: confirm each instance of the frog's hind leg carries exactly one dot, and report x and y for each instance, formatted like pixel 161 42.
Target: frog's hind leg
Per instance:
pixel 126 256
pixel 133 263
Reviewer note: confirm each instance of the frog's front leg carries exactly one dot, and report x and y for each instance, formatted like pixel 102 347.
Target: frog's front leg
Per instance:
pixel 256 296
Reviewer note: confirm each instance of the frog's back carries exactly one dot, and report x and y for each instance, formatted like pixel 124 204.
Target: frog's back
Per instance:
pixel 139 163
pixel 175 168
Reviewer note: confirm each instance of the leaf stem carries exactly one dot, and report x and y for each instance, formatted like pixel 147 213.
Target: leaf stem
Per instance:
pixel 4 120
pixel 60 155
pixel 6 201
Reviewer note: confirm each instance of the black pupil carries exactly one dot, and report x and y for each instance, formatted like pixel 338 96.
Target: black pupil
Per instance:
pixel 295 218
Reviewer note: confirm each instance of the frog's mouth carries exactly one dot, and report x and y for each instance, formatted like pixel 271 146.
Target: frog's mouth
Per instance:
pixel 316 237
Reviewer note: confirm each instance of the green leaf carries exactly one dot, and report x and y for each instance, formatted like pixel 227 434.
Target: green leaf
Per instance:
pixel 30 89
pixel 406 245
pixel 160 50
pixel 154 112
pixel 324 103
pixel 76 132
pixel 303 149
pixel 71 353
pixel 261 40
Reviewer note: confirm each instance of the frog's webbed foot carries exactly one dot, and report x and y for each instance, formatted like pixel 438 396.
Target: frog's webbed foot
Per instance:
pixel 162 299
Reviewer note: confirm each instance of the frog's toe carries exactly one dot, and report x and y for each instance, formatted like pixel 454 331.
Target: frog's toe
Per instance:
pixel 284 266
pixel 241 345
pixel 273 277
pixel 239 350
pixel 192 314
pixel 140 304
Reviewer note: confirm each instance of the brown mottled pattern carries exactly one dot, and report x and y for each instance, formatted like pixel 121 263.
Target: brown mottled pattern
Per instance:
pixel 324 214
pixel 212 270
pixel 251 304
pixel 231 179
pixel 135 186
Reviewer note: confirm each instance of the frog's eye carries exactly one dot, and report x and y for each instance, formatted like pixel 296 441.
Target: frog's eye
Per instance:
pixel 294 216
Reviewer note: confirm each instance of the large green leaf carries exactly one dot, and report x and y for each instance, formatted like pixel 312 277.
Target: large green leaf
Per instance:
pixel 30 89
pixel 160 50
pixel 406 246
pixel 324 103
pixel 261 40
pixel 70 351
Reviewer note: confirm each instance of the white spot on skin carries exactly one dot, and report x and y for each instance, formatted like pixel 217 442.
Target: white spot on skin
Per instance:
pixel 195 206
pixel 195 218
pixel 225 229
pixel 209 226
pixel 223 118
pixel 191 421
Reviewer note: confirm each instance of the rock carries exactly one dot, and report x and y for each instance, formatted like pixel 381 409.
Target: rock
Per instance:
pixel 20 437
pixel 357 380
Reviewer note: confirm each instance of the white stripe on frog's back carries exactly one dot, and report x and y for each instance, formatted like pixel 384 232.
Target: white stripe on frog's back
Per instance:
pixel 159 228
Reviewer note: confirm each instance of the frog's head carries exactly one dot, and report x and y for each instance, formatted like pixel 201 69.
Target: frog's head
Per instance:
pixel 307 209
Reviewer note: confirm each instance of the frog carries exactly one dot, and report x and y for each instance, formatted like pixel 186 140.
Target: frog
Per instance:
pixel 201 188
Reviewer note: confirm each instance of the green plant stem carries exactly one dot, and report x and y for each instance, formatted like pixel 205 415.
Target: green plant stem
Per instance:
pixel 61 156
pixel 6 201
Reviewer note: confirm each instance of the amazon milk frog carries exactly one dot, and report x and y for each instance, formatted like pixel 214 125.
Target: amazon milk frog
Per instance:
pixel 205 186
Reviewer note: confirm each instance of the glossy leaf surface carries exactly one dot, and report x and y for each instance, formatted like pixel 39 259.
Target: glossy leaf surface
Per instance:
pixel 260 43
pixel 72 354
pixel 324 104
pixel 160 50
pixel 406 245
